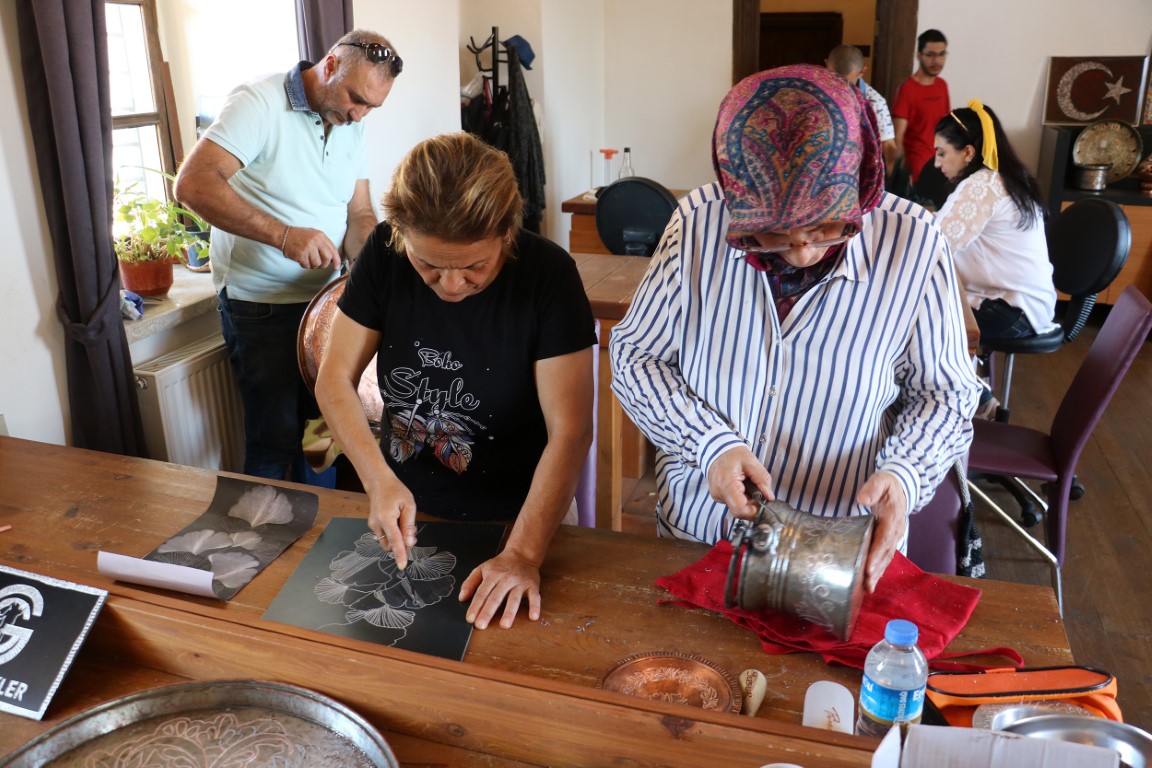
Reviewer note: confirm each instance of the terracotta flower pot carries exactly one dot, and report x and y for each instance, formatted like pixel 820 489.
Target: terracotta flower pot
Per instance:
pixel 147 278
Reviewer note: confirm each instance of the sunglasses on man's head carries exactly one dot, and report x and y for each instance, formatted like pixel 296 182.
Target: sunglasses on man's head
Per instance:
pixel 380 54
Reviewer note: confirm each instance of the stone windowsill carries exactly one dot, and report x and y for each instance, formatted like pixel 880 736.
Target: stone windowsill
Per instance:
pixel 191 295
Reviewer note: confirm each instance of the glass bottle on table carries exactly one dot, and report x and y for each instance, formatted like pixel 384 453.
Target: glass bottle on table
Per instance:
pixel 626 165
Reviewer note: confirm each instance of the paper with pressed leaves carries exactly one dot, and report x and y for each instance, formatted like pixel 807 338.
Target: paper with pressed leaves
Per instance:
pixel 247 525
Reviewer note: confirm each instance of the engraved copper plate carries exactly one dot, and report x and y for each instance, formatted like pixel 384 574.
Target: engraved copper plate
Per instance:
pixel 1109 141
pixel 315 328
pixel 675 677
pixel 222 724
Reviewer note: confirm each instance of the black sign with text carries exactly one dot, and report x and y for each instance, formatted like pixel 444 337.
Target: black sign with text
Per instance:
pixel 43 621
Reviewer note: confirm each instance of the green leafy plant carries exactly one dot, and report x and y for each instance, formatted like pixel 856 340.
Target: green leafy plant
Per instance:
pixel 153 230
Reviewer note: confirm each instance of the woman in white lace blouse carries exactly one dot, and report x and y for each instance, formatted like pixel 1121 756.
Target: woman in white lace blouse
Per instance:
pixel 994 224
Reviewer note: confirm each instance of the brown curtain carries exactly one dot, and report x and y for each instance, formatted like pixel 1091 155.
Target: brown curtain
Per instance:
pixel 319 24
pixel 64 60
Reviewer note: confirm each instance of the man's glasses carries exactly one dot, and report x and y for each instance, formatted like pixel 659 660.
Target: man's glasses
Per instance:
pixel 847 234
pixel 380 54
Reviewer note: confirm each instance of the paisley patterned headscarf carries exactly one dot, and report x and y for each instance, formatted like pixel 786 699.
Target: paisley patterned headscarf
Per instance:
pixel 795 146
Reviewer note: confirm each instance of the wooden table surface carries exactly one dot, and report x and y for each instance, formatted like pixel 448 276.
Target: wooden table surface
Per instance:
pixel 599 605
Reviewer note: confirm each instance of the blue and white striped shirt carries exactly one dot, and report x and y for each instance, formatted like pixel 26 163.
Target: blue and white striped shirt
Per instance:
pixel 869 371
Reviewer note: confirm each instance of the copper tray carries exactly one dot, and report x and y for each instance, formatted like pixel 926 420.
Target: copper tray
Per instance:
pixel 240 722
pixel 679 678
pixel 315 328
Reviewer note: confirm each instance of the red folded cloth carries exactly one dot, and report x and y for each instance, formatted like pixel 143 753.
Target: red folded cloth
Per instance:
pixel 940 609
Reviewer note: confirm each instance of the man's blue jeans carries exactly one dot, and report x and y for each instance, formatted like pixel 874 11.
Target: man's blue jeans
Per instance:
pixel 261 340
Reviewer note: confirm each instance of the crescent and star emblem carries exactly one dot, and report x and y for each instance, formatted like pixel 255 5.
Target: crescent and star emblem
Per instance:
pixel 1064 90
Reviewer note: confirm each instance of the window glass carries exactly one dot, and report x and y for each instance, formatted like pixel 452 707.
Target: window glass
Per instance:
pixel 131 74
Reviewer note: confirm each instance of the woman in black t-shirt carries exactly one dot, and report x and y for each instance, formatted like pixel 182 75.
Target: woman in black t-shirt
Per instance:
pixel 483 339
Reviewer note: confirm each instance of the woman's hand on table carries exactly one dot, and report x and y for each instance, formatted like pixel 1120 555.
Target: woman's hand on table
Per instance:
pixel 505 579
pixel 884 496
pixel 392 518
pixel 729 479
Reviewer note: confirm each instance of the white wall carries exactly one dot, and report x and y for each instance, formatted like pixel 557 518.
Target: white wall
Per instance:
pixel 573 96
pixel 33 398
pixel 425 98
pixel 667 65
pixel 998 51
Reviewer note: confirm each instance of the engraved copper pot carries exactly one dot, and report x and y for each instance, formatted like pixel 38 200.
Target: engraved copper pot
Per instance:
pixel 807 566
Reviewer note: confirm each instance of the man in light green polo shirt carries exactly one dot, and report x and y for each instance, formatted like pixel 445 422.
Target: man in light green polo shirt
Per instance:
pixel 281 176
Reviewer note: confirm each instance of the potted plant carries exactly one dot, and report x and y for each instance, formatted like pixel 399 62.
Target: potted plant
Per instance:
pixel 151 235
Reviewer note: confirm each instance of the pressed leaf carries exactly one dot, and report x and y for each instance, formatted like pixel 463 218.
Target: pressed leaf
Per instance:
pixel 262 505
pixel 196 542
pixel 246 539
pixel 187 559
pixel 233 569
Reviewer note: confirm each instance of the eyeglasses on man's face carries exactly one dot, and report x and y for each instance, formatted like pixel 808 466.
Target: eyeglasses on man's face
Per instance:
pixel 380 54
pixel 779 242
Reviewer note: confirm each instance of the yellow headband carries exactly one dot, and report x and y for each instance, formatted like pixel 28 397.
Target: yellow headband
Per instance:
pixel 991 157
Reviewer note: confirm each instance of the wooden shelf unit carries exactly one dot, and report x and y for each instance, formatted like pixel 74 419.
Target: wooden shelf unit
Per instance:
pixel 1060 191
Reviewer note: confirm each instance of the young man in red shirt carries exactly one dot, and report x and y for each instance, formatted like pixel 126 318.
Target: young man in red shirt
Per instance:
pixel 921 101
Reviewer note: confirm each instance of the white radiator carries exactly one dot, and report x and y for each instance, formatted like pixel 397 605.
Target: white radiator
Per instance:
pixel 191 408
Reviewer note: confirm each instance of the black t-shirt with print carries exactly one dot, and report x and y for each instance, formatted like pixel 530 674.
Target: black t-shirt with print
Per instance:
pixel 457 377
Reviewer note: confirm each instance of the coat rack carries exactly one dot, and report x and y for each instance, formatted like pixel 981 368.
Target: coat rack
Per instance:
pixel 498 56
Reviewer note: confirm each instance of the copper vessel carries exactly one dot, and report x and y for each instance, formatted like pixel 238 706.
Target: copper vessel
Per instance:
pixel 807 566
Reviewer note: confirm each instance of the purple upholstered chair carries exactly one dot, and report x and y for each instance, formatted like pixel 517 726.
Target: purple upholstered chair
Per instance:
pixel 1088 244
pixel 934 531
pixel 1015 451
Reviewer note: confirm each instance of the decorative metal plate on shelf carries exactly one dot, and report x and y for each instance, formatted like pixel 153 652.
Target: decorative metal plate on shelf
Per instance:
pixel 1112 142
pixel 219 723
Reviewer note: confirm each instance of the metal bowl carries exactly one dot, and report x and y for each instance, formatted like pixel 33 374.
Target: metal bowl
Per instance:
pixel 1133 744
pixel 808 566
pixel 997 717
pixel 270 723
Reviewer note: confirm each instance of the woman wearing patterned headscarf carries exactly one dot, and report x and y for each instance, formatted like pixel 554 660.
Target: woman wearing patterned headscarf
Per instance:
pixel 798 329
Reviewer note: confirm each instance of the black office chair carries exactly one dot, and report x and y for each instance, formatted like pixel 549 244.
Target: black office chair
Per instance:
pixel 1088 244
pixel 631 214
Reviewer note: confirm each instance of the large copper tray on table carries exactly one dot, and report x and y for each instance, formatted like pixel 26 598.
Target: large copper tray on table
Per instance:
pixel 217 723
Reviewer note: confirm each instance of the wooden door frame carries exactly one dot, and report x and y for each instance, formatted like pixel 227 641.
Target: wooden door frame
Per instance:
pixel 892 50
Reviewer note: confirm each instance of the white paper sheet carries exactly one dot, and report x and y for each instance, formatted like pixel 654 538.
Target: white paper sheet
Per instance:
pixel 153 574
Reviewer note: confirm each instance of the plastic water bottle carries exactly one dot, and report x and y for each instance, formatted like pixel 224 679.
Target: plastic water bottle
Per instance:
pixel 626 164
pixel 895 676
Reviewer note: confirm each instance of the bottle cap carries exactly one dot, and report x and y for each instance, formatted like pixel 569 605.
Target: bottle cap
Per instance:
pixel 627 149
pixel 901 632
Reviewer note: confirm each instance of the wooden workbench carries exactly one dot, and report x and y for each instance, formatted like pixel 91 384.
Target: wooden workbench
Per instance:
pixel 523 696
